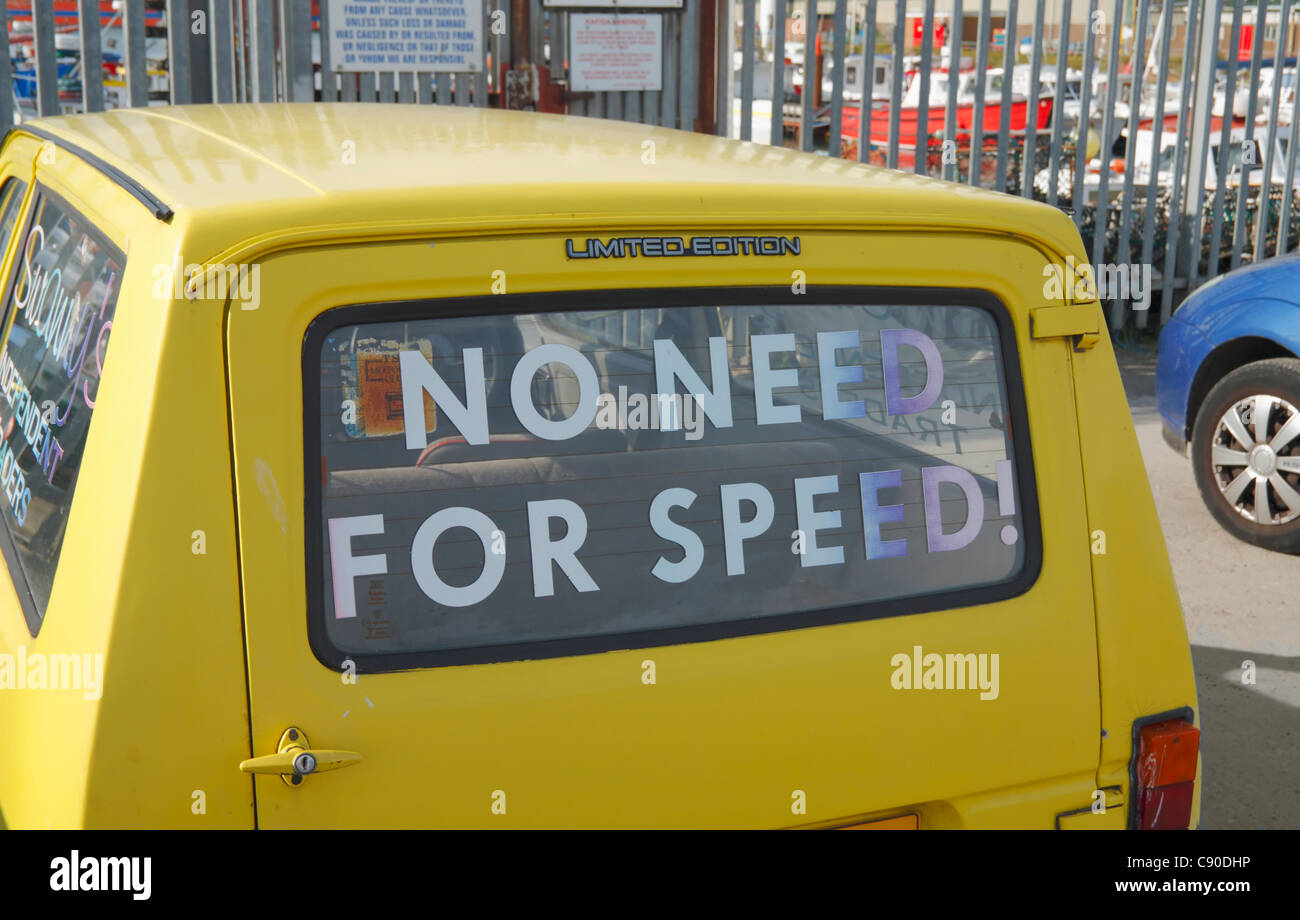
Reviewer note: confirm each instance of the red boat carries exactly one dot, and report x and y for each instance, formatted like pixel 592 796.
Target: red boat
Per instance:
pixel 67 13
pixel 936 117
pixel 878 130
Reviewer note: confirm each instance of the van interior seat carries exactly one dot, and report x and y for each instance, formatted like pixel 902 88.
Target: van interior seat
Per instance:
pixel 603 475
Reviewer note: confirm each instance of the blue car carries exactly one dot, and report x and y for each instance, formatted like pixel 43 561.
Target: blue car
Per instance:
pixel 1228 391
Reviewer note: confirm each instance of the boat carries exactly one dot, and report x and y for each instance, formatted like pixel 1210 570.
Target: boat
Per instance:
pixel 1242 158
pixel 909 112
pixel 855 77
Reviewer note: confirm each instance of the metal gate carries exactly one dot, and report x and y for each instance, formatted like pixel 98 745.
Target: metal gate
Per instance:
pixel 1166 183
pixel 184 51
pixel 1162 127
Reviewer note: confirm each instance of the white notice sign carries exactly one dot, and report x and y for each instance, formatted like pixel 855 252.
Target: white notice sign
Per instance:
pixel 442 36
pixel 615 51
pixel 606 4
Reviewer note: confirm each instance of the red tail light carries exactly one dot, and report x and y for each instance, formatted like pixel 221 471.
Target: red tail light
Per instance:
pixel 1165 774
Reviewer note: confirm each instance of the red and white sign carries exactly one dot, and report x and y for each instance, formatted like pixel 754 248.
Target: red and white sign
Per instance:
pixel 615 51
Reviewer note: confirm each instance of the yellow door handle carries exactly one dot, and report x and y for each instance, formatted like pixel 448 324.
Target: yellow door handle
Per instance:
pixel 295 759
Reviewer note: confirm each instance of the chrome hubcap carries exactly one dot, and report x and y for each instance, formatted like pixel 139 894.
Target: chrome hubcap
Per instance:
pixel 1256 459
pixel 1263 461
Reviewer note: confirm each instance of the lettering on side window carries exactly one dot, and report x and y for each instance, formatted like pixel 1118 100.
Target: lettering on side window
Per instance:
pixel 61 300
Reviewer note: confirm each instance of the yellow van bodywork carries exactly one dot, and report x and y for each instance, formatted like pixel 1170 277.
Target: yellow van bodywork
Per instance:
pixel 198 444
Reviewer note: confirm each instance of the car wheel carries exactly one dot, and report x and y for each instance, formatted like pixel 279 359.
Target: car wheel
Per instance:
pixel 1246 453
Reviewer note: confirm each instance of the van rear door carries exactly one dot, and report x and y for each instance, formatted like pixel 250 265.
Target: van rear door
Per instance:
pixel 662 543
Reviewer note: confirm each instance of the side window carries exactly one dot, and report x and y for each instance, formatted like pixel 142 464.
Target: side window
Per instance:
pixel 544 483
pixel 62 296
pixel 11 199
pixel 11 202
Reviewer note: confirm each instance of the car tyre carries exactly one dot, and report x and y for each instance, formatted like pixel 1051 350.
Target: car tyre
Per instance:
pixel 1240 463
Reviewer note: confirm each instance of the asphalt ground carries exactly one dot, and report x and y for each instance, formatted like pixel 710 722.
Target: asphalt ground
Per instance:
pixel 1240 603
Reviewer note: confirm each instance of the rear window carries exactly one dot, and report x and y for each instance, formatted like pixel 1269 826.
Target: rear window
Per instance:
pixel 554 481
pixel 61 301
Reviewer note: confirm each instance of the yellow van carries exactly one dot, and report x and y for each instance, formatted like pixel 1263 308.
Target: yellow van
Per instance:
pixel 389 466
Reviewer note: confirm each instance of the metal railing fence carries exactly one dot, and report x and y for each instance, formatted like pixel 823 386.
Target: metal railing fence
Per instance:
pixel 1116 110
pixel 1152 88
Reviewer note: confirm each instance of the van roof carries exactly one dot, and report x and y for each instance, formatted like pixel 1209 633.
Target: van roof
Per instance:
pixel 270 167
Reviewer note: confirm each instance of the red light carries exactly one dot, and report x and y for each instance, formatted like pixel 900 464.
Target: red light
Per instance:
pixel 1167 808
pixel 1168 753
pixel 1166 774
